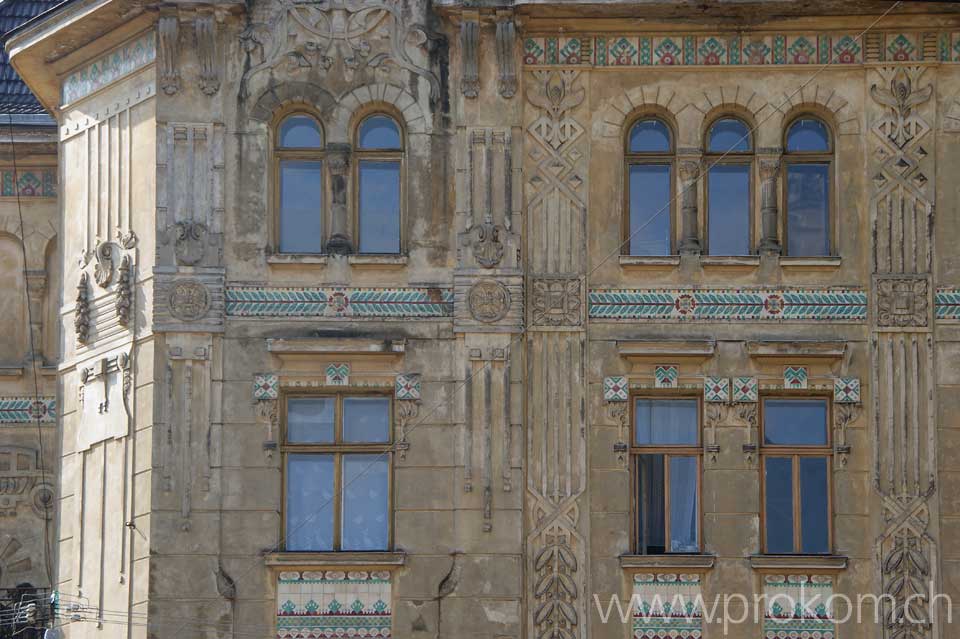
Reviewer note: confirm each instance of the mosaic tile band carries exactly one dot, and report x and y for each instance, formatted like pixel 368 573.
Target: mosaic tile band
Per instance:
pixel 333 604
pixel 796 607
pixel 947 304
pixel 111 67
pixel 737 49
pixel 369 303
pixel 847 305
pixel 30 183
pixel 667 606
pixel 23 410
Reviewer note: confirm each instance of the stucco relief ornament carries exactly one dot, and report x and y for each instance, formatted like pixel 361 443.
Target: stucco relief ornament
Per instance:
pixel 189 245
pixel 488 301
pixel 556 302
pixel 555 93
pixel 103 269
pixel 486 244
pixel 124 294
pixel 188 300
pixel 902 302
pixel 901 97
pixel 81 312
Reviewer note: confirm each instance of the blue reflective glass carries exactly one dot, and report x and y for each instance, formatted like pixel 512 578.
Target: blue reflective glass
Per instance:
pixel 379 132
pixel 684 511
pixel 728 217
pixel 814 505
pixel 379 207
pixel 778 489
pixel 808 209
pixel 795 422
pixel 808 135
pixel 310 420
pixel 650 209
pixel 366 502
pixel 366 419
pixel 666 422
pixel 649 136
pixel 301 207
pixel 310 503
pixel 729 134
pixel 300 132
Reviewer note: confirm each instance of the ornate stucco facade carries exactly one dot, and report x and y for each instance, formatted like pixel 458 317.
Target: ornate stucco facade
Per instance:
pixel 512 334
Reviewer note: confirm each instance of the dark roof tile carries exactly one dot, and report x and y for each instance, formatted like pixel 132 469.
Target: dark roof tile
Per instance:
pixel 15 97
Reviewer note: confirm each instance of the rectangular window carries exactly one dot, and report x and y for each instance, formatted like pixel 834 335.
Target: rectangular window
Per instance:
pixel 666 471
pixel 301 206
pixel 796 476
pixel 650 198
pixel 728 209
pixel 337 460
pixel 808 209
pixel 379 193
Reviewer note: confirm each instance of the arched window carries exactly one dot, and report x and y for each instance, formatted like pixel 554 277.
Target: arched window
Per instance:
pixel 298 160
pixel 379 169
pixel 729 156
pixel 808 163
pixel 648 227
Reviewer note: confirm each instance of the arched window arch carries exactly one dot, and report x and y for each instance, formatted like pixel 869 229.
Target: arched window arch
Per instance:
pixel 298 170
pixel 729 156
pixel 379 144
pixel 808 163
pixel 650 158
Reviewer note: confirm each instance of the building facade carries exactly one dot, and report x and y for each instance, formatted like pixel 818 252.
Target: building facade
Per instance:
pixel 457 319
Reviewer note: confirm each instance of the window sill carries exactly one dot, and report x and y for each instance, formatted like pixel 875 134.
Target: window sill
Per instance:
pixel 11 372
pixel 676 562
pixel 730 261
pixel 649 261
pixel 383 559
pixel 281 259
pixel 805 562
pixel 377 260
pixel 825 262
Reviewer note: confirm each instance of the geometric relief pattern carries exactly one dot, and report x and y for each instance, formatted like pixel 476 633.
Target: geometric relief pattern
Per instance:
pixel 388 303
pixel 30 183
pixel 333 604
pixel 667 606
pixel 796 607
pixel 112 66
pixel 23 410
pixel 835 305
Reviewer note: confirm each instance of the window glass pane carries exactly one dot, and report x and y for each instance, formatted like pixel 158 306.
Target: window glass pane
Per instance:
pixel 366 419
pixel 778 488
pixel 301 205
pixel 651 522
pixel 310 420
pixel 365 502
pixel 379 207
pixel 300 132
pixel 379 132
pixel 729 134
pixel 795 422
pixel 665 422
pixel 814 511
pixel 310 505
pixel 683 504
pixel 808 209
pixel 649 209
pixel 729 209
pixel 649 136
pixel 808 134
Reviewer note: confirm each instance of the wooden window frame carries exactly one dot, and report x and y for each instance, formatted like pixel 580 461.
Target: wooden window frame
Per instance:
pixel 361 155
pixel 338 448
pixel 790 158
pixel 630 158
pixel 795 453
pixel 279 154
pixel 737 158
pixel 677 450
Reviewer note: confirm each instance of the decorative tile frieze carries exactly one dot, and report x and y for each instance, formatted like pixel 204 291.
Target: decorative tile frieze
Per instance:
pixel 333 604
pixel 615 389
pixel 666 376
pixel 335 302
pixel 408 386
pixel 846 390
pixel 716 389
pixel 836 305
pixel 746 390
pixel 797 606
pixel 795 377
pixel 947 303
pixel 266 386
pixel 29 183
pixel 338 374
pixel 122 61
pixel 667 606
pixel 23 410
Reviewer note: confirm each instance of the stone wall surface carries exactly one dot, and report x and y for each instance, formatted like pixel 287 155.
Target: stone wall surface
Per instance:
pixel 510 332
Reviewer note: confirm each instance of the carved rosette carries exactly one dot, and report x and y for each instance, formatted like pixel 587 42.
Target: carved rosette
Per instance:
pixel 488 301
pixel 188 300
pixel 556 302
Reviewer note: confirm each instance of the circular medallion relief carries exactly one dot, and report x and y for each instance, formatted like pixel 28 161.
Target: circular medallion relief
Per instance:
pixel 488 301
pixel 188 300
